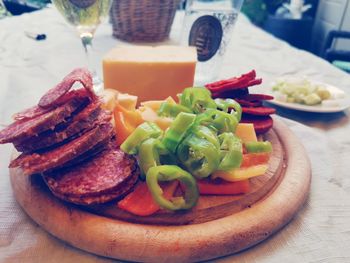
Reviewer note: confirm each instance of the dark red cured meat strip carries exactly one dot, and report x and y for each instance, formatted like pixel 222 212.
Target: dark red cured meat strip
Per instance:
pixel 53 96
pixel 245 103
pixel 36 111
pixel 235 82
pixel 261 124
pixel 231 94
pixel 260 111
pixel 109 175
pixel 254 97
pixel 57 157
pixel 85 120
pixel 24 129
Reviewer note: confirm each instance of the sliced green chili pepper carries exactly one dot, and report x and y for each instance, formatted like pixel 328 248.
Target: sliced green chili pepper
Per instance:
pixel 199 156
pixel 171 110
pixel 153 153
pixel 178 130
pixel 221 121
pixel 170 173
pixel 142 132
pixel 204 132
pixel 148 154
pixel 230 151
pixel 197 99
pixel 226 104
pixel 257 147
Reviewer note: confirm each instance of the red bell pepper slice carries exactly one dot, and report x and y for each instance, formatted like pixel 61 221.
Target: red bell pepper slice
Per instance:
pixel 221 187
pixel 141 203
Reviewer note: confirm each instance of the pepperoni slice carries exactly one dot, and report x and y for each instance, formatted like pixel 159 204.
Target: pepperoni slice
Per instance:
pixel 254 97
pixel 53 96
pixel 261 124
pixel 260 111
pixel 245 103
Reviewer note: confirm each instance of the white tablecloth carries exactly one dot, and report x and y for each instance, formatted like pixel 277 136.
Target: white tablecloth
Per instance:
pixel 320 232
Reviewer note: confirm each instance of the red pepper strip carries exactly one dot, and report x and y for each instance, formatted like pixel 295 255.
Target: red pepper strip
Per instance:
pixel 248 76
pixel 259 111
pixel 221 187
pixel 252 159
pixel 140 202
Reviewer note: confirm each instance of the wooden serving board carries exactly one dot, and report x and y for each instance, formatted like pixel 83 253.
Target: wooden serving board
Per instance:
pixel 218 226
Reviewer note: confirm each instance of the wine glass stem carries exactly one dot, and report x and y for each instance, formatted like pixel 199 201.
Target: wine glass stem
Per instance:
pixel 86 39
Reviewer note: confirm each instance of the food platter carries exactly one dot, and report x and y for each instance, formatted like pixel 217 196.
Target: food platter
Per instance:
pixel 240 226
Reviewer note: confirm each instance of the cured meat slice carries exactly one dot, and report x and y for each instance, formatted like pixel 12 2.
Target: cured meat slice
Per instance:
pixel 36 110
pixel 245 103
pixel 85 120
pixel 109 175
pixel 259 111
pixel 30 113
pixel 24 129
pixel 88 154
pixel 261 124
pixel 231 93
pixel 53 96
pixel 254 97
pixel 41 162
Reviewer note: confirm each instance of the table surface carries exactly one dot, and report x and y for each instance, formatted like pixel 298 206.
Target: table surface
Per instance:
pixel 320 232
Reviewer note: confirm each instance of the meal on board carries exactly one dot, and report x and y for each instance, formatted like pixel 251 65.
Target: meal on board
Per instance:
pixel 148 156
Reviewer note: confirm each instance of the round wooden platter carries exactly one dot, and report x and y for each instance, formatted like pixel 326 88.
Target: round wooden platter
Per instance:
pixel 218 226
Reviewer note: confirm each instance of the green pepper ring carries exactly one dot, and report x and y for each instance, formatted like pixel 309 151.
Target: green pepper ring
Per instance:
pixel 170 173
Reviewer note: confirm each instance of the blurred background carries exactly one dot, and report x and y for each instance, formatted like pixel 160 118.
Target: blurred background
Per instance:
pixel 318 26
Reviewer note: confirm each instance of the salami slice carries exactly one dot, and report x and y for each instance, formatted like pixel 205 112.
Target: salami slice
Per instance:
pixel 231 93
pixel 254 97
pixel 30 113
pixel 109 175
pixel 259 111
pixel 53 96
pixel 26 128
pixel 36 111
pixel 88 118
pixel 261 124
pixel 245 103
pixel 41 162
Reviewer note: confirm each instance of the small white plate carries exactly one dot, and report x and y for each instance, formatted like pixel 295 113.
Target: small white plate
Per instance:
pixel 334 105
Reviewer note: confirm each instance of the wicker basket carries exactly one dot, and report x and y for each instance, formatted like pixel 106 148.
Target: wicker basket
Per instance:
pixel 142 20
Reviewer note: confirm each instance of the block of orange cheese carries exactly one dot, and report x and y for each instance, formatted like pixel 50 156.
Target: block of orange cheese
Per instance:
pixel 151 73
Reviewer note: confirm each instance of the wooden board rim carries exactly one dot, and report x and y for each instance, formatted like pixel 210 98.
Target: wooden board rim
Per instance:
pixel 126 241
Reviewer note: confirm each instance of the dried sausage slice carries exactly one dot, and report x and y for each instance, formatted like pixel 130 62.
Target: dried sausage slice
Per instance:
pixel 41 162
pixel 53 96
pixel 85 120
pixel 109 175
pixel 36 111
pixel 261 124
pixel 258 111
pixel 26 128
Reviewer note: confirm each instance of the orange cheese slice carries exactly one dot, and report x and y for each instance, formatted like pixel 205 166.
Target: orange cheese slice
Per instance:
pixel 151 73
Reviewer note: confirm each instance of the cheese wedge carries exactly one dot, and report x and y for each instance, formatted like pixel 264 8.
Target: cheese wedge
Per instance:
pixel 151 73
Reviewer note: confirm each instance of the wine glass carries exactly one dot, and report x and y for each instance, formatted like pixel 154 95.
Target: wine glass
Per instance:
pixel 3 10
pixel 85 16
